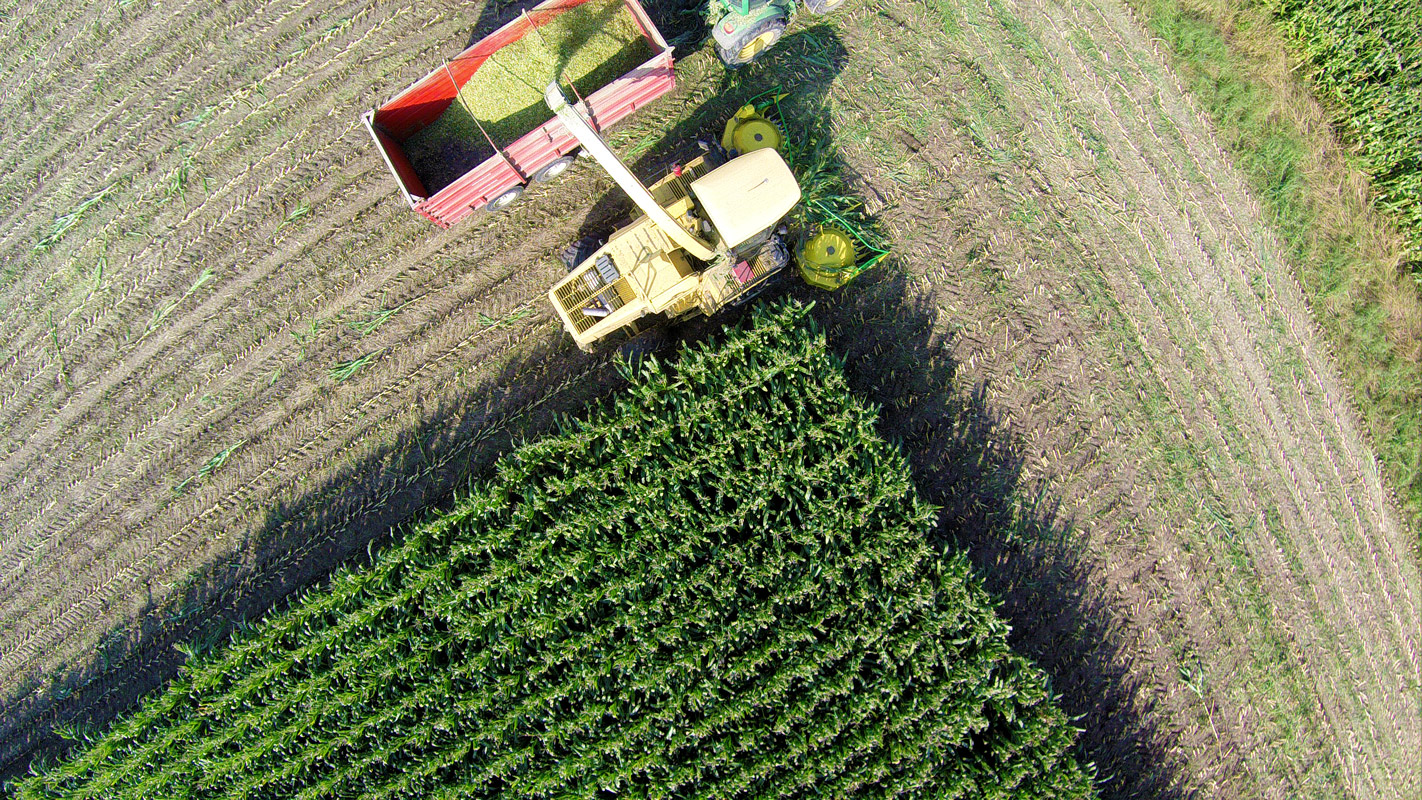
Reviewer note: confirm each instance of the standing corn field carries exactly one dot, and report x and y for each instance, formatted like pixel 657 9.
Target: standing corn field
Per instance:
pixel 721 587
pixel 1365 58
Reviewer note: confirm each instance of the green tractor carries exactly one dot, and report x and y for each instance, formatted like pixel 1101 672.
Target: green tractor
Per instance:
pixel 743 29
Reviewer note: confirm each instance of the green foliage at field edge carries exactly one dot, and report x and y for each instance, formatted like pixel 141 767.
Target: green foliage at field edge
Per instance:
pixel 1365 59
pixel 722 586
pixel 1347 284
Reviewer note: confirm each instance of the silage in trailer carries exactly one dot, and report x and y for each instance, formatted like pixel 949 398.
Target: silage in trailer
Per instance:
pixel 586 47
pixel 720 587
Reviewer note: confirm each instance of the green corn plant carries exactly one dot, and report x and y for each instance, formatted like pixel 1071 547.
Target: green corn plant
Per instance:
pixel 716 586
pixel 65 222
pixel 343 370
pixel 1365 59
pixel 208 468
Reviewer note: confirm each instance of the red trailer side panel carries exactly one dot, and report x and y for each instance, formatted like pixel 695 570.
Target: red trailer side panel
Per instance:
pixel 428 98
pixel 547 142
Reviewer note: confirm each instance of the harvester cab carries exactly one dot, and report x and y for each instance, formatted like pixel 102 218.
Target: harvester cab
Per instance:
pixel 710 234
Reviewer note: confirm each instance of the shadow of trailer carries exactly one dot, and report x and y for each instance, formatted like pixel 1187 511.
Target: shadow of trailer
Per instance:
pixel 490 168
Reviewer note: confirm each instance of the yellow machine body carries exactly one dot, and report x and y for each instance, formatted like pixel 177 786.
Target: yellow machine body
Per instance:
pixel 641 270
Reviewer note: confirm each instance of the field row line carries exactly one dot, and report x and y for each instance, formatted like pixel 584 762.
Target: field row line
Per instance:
pixel 1161 321
pixel 309 544
pixel 505 278
pixel 191 154
pixel 86 398
pixel 63 625
pixel 105 380
pixel 1275 421
pixel 155 36
pixel 279 344
pixel 223 191
pixel 1291 316
pixel 98 129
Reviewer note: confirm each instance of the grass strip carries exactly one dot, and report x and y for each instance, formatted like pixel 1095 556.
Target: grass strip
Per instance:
pixel 1351 260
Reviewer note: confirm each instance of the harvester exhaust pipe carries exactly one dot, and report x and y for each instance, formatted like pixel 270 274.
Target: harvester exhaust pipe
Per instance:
pixel 598 148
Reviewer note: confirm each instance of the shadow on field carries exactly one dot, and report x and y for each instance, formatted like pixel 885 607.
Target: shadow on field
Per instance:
pixel 963 461
pixel 966 462
pixel 303 541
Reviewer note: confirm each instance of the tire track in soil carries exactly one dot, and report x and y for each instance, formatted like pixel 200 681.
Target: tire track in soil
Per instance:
pixel 1321 376
pixel 74 408
pixel 106 395
pixel 1281 428
pixel 1162 333
pixel 152 199
pixel 281 343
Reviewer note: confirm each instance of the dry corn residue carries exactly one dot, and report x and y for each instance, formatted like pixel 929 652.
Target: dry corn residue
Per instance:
pixel 589 46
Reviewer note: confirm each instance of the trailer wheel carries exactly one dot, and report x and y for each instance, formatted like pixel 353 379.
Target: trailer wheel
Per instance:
pixel 504 200
pixel 553 170
pixel 751 42
pixel 822 6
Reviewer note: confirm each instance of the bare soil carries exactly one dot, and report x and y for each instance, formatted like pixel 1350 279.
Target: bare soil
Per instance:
pixel 1088 341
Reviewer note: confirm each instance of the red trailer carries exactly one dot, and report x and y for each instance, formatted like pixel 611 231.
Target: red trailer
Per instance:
pixel 540 154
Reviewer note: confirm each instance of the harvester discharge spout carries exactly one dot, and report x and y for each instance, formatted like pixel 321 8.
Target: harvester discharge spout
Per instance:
pixel 598 148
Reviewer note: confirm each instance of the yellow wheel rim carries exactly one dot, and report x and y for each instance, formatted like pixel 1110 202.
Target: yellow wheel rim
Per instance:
pixel 756 134
pixel 826 258
pixel 830 250
pixel 755 46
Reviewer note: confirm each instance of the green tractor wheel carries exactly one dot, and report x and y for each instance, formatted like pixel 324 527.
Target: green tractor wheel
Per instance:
pixel 827 258
pixel 745 46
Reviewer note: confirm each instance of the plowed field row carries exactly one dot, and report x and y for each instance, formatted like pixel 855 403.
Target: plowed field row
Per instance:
pixel 1088 341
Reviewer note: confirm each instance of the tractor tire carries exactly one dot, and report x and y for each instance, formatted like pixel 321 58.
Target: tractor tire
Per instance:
pixel 503 201
pixel 750 43
pixel 818 7
pixel 579 251
pixel 643 344
pixel 554 170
